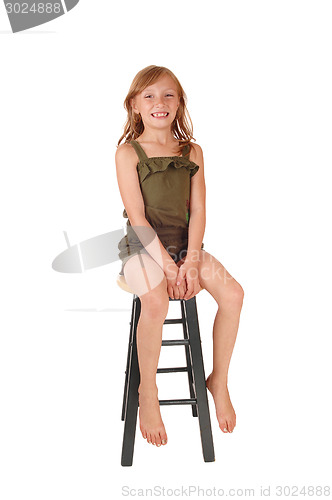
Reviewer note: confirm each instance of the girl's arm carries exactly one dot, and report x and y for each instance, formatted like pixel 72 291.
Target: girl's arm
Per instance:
pixel 130 191
pixel 197 220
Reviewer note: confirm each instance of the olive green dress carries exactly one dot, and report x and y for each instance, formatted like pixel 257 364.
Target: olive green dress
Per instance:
pixel 165 187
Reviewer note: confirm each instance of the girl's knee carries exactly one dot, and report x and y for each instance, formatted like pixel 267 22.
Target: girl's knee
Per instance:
pixel 155 303
pixel 239 293
pixel 230 296
pixel 234 294
pixel 155 308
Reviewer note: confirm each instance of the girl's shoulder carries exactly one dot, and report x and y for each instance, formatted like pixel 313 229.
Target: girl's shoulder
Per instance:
pixel 125 157
pixel 125 151
pixel 196 152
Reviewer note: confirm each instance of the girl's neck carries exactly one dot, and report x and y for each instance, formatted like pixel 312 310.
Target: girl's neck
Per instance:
pixel 159 137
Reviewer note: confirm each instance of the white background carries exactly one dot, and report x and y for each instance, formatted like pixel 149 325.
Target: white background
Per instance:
pixel 258 79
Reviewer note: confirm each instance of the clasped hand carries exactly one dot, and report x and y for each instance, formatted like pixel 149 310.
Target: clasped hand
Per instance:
pixel 183 282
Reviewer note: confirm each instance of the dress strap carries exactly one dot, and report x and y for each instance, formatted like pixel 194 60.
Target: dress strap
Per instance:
pixel 186 150
pixel 142 156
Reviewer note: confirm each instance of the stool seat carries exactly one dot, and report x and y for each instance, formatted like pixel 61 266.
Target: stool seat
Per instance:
pixel 194 368
pixel 121 282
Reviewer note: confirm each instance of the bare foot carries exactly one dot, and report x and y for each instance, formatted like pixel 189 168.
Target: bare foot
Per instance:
pixel 224 408
pixel 151 424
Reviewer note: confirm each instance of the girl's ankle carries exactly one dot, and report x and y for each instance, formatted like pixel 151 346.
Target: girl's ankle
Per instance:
pixel 148 388
pixel 218 379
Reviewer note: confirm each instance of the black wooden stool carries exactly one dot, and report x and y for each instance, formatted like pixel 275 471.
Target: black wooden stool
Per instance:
pixel 196 377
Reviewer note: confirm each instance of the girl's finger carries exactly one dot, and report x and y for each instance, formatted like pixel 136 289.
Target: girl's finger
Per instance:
pixel 180 277
pixel 194 292
pixel 188 293
pixel 182 292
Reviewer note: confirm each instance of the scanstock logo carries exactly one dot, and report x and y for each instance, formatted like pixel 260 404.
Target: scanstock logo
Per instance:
pixel 25 15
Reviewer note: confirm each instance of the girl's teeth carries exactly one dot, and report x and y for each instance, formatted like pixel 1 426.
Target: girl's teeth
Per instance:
pixel 159 114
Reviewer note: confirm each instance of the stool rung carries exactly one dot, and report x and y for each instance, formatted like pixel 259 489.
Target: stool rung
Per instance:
pixel 171 370
pixel 176 342
pixel 164 402
pixel 173 321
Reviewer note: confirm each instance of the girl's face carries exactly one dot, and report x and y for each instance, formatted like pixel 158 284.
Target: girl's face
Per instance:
pixel 158 103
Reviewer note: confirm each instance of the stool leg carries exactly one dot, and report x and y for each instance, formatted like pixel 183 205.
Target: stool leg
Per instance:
pixel 189 364
pixel 132 397
pixel 130 344
pixel 190 310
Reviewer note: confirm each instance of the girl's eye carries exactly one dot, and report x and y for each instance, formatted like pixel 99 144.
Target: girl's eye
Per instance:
pixel 170 95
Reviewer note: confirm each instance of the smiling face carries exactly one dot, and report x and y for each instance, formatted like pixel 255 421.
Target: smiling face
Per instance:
pixel 158 103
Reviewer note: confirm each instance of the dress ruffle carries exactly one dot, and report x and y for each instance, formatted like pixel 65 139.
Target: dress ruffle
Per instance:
pixel 152 165
pixel 160 164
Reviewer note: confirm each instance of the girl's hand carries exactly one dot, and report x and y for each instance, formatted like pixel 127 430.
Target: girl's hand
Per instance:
pixel 180 289
pixel 174 291
pixel 189 271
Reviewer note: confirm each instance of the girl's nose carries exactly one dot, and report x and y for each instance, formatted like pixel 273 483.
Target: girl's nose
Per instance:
pixel 159 100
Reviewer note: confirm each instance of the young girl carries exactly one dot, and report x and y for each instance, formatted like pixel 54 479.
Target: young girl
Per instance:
pixel 160 173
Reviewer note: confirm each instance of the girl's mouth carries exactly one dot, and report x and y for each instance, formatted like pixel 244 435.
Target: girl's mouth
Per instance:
pixel 160 115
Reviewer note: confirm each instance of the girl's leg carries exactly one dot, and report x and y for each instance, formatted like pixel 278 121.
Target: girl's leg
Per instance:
pixel 146 278
pixel 228 294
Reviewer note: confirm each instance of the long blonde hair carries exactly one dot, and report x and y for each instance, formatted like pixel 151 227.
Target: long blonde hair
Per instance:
pixel 182 127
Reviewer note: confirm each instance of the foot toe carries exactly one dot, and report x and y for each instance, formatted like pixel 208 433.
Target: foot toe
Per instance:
pixel 163 437
pixel 223 426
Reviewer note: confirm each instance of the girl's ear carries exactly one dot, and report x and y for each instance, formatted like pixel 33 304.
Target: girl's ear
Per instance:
pixel 133 104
